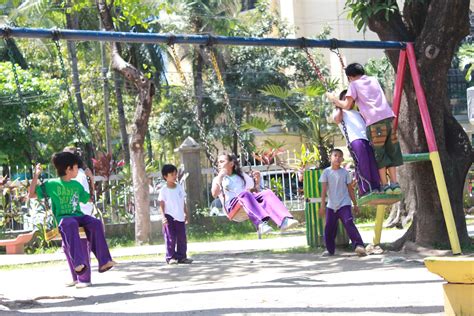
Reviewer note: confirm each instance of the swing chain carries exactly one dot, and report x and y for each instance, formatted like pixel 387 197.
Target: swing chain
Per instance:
pixel 202 134
pixel 178 64
pixel 228 106
pixel 66 85
pixel 316 68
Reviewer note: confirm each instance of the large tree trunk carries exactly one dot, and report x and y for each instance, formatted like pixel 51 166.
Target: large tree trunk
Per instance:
pixel 146 90
pixel 434 49
pixel 72 23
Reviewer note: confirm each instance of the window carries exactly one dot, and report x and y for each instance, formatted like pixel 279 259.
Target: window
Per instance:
pixel 248 4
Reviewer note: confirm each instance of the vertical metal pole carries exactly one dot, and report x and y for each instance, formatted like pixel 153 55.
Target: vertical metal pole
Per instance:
pixel 378 224
pixel 397 95
pixel 434 154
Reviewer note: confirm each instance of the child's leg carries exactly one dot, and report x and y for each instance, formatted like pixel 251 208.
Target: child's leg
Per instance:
pixel 345 214
pixel 86 276
pixel 181 241
pixel 69 262
pixel 330 230
pixel 96 237
pixel 255 212
pixel 367 166
pixel 69 229
pixel 273 206
pixel 169 234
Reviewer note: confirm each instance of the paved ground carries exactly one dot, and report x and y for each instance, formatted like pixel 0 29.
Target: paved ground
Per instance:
pixel 235 279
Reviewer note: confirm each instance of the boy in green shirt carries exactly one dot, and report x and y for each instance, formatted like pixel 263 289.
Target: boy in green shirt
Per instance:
pixel 66 194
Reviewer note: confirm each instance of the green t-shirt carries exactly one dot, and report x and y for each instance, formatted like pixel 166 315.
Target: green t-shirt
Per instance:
pixel 65 197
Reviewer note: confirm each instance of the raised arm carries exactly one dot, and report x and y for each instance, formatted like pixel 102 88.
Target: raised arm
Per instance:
pixel 34 182
pixel 216 185
pixel 345 104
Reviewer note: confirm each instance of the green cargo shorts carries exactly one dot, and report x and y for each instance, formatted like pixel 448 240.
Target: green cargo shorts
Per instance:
pixel 385 142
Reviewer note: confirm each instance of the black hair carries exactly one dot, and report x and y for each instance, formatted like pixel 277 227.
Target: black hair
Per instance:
pixel 236 168
pixel 78 152
pixel 336 150
pixel 342 95
pixel 64 160
pixel 167 169
pixel 354 70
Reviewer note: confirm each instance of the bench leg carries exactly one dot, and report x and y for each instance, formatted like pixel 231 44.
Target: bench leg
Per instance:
pixel 15 249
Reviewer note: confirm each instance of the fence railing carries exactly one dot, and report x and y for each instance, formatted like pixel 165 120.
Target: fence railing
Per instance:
pixel 114 195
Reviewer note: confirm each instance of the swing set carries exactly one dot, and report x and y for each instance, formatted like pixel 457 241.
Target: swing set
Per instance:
pixel 406 56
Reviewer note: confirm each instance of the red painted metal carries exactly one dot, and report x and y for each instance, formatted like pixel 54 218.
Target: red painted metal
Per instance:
pixel 420 95
pixel 397 95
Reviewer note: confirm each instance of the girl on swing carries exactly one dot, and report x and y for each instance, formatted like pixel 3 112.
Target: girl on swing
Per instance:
pixel 235 187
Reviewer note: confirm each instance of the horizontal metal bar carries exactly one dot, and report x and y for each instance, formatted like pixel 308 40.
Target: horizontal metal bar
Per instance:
pixel 416 157
pixel 154 38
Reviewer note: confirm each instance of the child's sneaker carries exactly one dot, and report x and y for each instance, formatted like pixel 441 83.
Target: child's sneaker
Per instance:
pixel 83 285
pixel 395 188
pixel 288 223
pixel 264 228
pixel 173 261
pixel 387 189
pixel 185 261
pixel 360 251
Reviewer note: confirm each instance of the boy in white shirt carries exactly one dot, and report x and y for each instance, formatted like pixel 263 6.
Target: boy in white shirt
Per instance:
pixel 367 173
pixel 173 208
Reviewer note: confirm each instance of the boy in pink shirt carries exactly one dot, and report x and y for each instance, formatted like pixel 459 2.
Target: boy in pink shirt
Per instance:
pixel 366 92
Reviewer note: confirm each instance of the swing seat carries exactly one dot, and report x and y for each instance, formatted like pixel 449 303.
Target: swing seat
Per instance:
pixel 379 199
pixel 54 234
pixel 237 214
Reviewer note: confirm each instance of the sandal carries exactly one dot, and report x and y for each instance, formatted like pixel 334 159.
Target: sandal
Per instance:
pixel 80 269
pixel 107 266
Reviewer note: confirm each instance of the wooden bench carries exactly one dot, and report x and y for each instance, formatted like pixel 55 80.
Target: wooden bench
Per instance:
pixel 17 245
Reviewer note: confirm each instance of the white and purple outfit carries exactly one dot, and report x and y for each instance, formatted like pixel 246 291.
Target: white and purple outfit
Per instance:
pixel 259 206
pixel 174 231
pixel 338 207
pixel 367 172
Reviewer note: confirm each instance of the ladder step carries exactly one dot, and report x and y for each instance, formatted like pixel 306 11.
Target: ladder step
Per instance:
pixel 416 157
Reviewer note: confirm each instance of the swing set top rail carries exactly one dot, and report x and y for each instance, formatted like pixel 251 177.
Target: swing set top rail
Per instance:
pixel 193 39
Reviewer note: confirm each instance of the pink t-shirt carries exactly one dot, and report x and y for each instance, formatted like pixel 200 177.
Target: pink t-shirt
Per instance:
pixel 369 97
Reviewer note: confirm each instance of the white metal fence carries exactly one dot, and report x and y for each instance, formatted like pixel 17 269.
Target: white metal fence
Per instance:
pixel 114 196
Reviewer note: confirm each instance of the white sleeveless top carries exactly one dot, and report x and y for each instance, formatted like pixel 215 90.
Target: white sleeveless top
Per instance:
pixel 355 124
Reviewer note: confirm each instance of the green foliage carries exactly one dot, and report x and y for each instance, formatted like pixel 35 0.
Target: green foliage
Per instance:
pixel 44 105
pixel 465 56
pixel 309 113
pixel 360 11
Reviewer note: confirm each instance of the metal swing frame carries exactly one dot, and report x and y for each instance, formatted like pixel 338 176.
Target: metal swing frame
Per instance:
pixel 407 55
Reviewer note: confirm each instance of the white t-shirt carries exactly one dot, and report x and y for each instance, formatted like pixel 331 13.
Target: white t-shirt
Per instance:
pixel 174 201
pixel 86 208
pixel 355 124
pixel 233 185
pixel 337 181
